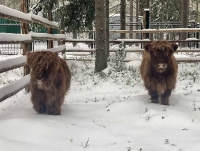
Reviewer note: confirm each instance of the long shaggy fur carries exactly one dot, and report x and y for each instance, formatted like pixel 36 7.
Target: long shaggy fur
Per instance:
pixel 50 81
pixel 159 83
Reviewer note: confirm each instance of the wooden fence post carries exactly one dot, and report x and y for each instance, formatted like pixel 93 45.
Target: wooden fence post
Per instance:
pixel 146 18
pixel 91 36
pixel 62 42
pixel 24 45
pixel 50 31
pixel 131 19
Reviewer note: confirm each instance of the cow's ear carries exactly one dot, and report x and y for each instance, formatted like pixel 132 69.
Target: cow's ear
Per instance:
pixel 147 46
pixel 174 46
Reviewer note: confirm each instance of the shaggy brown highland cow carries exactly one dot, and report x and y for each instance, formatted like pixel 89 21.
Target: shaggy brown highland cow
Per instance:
pixel 159 70
pixel 50 81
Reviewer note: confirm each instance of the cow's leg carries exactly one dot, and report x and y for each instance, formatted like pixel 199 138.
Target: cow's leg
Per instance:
pixel 39 107
pixel 54 107
pixel 38 97
pixel 154 96
pixel 165 97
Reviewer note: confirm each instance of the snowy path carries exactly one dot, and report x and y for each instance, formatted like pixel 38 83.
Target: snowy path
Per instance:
pixel 110 117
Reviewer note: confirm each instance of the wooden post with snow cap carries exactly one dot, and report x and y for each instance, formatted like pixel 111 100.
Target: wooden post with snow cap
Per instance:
pixel 146 18
pixel 24 27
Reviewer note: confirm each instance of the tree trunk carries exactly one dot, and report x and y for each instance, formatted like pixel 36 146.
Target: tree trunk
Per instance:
pixel 151 19
pixel 107 28
pixel 131 19
pixel 184 19
pixel 197 9
pixel 162 17
pixel 123 18
pixel 100 40
pixel 137 18
pixel 148 4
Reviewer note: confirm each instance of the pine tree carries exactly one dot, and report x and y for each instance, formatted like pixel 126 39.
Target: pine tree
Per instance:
pixel 165 11
pixel 72 16
pixel 79 14
pixel 14 4
pixel 162 10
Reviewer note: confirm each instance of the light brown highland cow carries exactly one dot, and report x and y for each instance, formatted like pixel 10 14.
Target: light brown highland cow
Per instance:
pixel 159 70
pixel 50 81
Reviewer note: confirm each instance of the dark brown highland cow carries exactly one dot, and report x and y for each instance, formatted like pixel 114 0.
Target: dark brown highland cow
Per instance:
pixel 50 81
pixel 159 70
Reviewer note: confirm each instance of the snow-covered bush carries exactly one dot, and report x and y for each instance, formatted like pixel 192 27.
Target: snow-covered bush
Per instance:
pixel 116 60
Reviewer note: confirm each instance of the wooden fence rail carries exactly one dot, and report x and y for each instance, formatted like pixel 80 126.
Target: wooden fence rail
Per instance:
pixel 128 40
pixel 127 50
pixel 187 60
pixel 169 30
pixel 15 87
pixel 14 63
pixel 10 64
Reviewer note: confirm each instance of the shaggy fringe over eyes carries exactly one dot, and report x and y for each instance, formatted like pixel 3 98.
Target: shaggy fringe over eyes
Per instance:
pixel 39 63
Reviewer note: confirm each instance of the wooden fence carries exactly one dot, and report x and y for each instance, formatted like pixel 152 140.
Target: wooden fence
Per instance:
pixel 24 39
pixel 142 41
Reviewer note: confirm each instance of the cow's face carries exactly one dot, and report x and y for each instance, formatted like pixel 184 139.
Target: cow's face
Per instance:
pixel 42 64
pixel 160 54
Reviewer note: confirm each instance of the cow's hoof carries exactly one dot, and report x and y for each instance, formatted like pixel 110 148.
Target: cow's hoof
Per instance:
pixel 165 102
pixel 154 100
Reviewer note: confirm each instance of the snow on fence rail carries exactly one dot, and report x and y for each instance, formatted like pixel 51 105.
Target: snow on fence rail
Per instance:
pixel 14 63
pixel 44 36
pixel 9 38
pixel 13 88
pixel 10 64
pixel 8 13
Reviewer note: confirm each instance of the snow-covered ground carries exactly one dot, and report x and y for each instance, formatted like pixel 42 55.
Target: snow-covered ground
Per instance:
pixel 105 112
